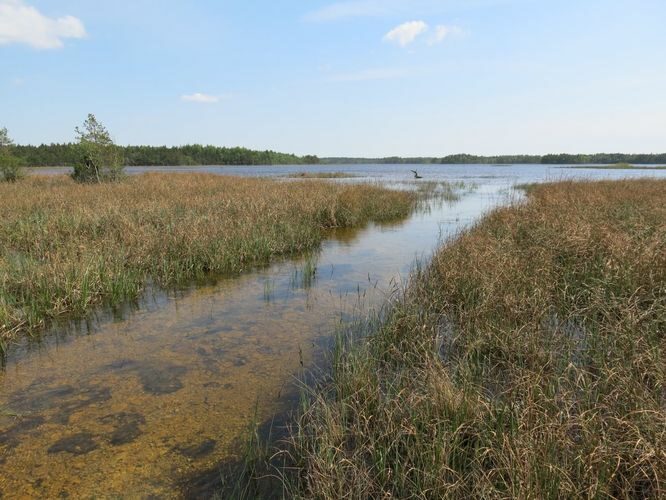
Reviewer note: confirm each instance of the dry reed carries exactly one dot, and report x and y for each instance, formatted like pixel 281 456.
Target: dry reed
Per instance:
pixel 527 361
pixel 66 247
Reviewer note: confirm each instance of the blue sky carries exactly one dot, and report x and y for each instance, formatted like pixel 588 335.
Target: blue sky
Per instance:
pixel 355 78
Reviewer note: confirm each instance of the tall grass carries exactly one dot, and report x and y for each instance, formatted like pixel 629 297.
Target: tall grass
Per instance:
pixel 444 190
pixel 527 361
pixel 66 247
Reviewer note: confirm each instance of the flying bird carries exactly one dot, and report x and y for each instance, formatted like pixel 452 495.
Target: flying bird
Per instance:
pixel 416 174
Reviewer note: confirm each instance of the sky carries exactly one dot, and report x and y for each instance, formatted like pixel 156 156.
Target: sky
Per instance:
pixel 366 78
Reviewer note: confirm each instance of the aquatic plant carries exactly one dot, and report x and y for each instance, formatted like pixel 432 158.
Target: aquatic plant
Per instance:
pixel 305 275
pixel 449 191
pixel 269 289
pixel 526 361
pixel 67 247
pixel 321 175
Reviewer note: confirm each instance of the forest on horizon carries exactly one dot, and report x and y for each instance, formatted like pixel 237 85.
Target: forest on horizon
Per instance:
pixel 54 155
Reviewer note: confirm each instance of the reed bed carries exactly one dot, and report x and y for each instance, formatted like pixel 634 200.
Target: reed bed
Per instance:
pixel 526 361
pixel 443 190
pixel 67 247
pixel 322 175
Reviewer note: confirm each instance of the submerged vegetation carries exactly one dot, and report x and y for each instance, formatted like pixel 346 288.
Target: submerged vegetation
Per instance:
pixel 66 247
pixel 527 360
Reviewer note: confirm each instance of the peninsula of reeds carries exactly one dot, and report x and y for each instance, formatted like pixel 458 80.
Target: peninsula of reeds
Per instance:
pixel 528 360
pixel 66 247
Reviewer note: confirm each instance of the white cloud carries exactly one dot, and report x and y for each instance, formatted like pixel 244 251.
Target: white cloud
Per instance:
pixel 442 32
pixel 201 98
pixel 370 74
pixel 406 33
pixel 20 23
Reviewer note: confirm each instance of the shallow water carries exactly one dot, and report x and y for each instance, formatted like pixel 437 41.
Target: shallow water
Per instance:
pixel 521 173
pixel 136 404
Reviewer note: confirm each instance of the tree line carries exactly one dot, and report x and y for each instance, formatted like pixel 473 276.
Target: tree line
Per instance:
pixel 549 159
pixel 57 155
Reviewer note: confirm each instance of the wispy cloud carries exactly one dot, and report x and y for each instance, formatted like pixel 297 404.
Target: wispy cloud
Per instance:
pixel 370 74
pixel 346 9
pixel 200 98
pixel 21 23
pixel 406 33
pixel 442 32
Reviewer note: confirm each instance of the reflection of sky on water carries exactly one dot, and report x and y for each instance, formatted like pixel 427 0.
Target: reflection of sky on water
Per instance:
pixel 484 174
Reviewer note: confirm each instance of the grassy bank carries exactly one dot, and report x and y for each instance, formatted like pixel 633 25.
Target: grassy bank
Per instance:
pixel 66 247
pixel 527 361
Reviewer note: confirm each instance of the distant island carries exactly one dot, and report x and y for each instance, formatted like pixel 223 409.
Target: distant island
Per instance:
pixel 57 155
pixel 549 159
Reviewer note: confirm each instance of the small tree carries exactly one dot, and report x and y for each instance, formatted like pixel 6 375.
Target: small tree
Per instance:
pixel 99 159
pixel 10 166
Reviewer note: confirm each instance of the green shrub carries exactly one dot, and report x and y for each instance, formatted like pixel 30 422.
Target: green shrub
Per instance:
pixel 10 166
pixel 99 159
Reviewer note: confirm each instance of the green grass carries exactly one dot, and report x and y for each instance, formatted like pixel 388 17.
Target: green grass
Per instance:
pixel 66 248
pixel 526 361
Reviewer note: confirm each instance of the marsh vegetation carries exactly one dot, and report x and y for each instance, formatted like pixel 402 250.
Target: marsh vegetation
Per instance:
pixel 66 247
pixel 321 175
pixel 525 361
pixel 428 190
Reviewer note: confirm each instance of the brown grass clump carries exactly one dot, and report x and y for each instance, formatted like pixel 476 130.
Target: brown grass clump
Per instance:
pixel 527 361
pixel 65 247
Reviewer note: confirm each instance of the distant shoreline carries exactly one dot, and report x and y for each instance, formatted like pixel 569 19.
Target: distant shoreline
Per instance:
pixel 59 155
pixel 303 168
